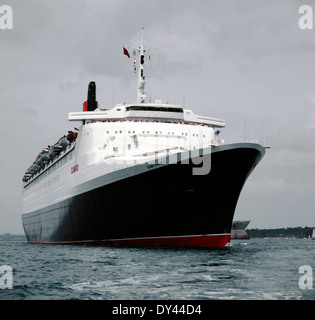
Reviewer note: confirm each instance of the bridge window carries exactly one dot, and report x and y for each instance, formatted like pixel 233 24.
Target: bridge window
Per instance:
pixel 151 108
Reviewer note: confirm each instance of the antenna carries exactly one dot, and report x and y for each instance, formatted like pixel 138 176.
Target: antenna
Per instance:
pixel 113 91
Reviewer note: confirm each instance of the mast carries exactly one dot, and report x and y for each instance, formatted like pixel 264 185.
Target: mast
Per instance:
pixel 141 77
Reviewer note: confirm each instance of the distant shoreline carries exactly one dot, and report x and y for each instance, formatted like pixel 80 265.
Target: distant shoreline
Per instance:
pixel 12 237
pixel 297 232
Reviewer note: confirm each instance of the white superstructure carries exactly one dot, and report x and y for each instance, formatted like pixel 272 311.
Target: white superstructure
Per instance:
pixel 135 129
pixel 110 140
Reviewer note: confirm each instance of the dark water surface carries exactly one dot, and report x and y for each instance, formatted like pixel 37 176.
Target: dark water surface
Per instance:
pixel 252 269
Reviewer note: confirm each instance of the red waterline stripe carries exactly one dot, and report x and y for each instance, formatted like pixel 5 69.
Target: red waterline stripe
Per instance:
pixel 216 240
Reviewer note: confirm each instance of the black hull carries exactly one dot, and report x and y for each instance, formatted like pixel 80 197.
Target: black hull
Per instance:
pixel 165 203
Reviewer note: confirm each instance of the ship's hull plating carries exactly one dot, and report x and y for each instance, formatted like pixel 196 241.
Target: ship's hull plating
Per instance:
pixel 167 205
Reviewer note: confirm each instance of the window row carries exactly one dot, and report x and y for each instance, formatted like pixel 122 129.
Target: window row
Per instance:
pixel 156 132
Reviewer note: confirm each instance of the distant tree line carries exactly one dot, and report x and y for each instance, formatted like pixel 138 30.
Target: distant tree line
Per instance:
pixel 297 232
pixel 12 237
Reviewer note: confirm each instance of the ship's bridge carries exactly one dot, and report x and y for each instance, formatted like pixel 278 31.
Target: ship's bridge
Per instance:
pixel 156 111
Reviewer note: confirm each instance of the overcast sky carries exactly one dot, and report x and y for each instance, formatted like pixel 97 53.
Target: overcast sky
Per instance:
pixel 244 61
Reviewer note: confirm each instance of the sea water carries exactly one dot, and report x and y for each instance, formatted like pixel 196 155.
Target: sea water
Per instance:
pixel 255 269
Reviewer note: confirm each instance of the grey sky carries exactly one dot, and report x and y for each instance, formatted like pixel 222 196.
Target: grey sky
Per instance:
pixel 229 59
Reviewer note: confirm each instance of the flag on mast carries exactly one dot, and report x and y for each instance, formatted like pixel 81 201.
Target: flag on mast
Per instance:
pixel 126 52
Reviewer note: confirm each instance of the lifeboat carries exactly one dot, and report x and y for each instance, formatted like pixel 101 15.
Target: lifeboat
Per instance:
pixel 54 150
pixel 51 151
pixel 71 136
pixel 44 156
pixel 36 166
pixel 26 177
pixel 63 142
pixel 30 170
pixel 57 148
pixel 38 160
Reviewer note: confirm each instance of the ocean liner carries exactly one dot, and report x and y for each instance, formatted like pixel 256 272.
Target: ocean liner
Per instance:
pixel 140 174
